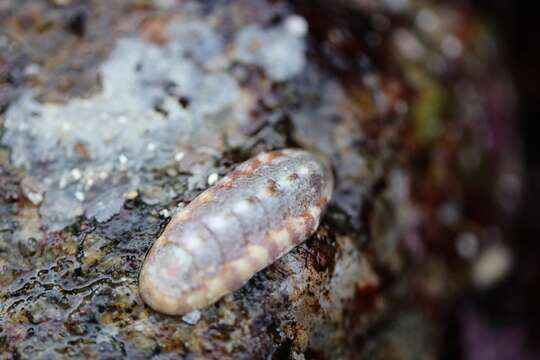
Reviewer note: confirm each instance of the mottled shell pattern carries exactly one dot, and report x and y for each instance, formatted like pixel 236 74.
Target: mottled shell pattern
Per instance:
pixel 246 221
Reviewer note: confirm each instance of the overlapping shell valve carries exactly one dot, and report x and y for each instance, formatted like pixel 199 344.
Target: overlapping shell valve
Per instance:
pixel 246 221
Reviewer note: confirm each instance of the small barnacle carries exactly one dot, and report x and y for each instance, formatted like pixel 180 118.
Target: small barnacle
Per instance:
pixel 240 225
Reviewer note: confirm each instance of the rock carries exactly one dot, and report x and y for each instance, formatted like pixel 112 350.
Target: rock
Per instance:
pixel 111 131
pixel 192 317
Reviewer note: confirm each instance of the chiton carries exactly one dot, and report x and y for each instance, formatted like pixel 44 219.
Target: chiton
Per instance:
pixel 246 221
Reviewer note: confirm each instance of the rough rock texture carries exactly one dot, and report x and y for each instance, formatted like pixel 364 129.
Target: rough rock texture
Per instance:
pixel 116 114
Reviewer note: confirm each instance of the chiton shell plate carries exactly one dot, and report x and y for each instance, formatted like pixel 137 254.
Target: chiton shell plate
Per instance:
pixel 245 222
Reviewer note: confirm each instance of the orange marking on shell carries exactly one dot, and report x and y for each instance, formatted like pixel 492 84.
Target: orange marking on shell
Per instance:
pixel 224 184
pixel 293 177
pixel 272 186
pixel 236 174
pixel 206 197
pixel 309 221
pixel 254 164
pixel 277 241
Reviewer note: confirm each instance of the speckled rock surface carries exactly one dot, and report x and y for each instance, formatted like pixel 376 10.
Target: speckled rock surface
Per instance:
pixel 114 115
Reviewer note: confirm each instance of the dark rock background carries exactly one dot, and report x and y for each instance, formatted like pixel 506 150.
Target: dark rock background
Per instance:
pixel 505 316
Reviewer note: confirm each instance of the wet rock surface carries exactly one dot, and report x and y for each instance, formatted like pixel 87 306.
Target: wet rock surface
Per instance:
pixel 116 115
